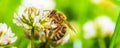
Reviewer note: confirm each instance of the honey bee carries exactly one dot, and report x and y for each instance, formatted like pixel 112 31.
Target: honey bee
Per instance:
pixel 59 19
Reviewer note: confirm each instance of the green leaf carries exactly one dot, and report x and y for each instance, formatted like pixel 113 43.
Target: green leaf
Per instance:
pixel 116 32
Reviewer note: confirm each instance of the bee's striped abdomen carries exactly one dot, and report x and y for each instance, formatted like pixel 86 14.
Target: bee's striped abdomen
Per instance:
pixel 59 32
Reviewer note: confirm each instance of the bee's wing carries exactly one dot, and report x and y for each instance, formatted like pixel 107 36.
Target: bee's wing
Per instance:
pixel 68 24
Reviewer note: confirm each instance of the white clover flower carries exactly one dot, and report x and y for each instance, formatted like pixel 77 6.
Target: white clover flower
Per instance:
pixel 104 23
pixel 27 16
pixel 6 35
pixel 39 4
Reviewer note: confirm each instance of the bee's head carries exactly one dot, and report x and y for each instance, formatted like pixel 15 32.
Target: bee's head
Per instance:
pixel 52 13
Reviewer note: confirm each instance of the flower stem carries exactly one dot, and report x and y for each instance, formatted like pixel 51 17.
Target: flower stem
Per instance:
pixel 32 43
pixel 32 38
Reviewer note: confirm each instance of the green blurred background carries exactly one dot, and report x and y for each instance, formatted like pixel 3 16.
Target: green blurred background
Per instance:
pixel 78 12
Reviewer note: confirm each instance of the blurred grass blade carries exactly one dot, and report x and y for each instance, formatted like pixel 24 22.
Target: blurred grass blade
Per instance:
pixel 116 32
